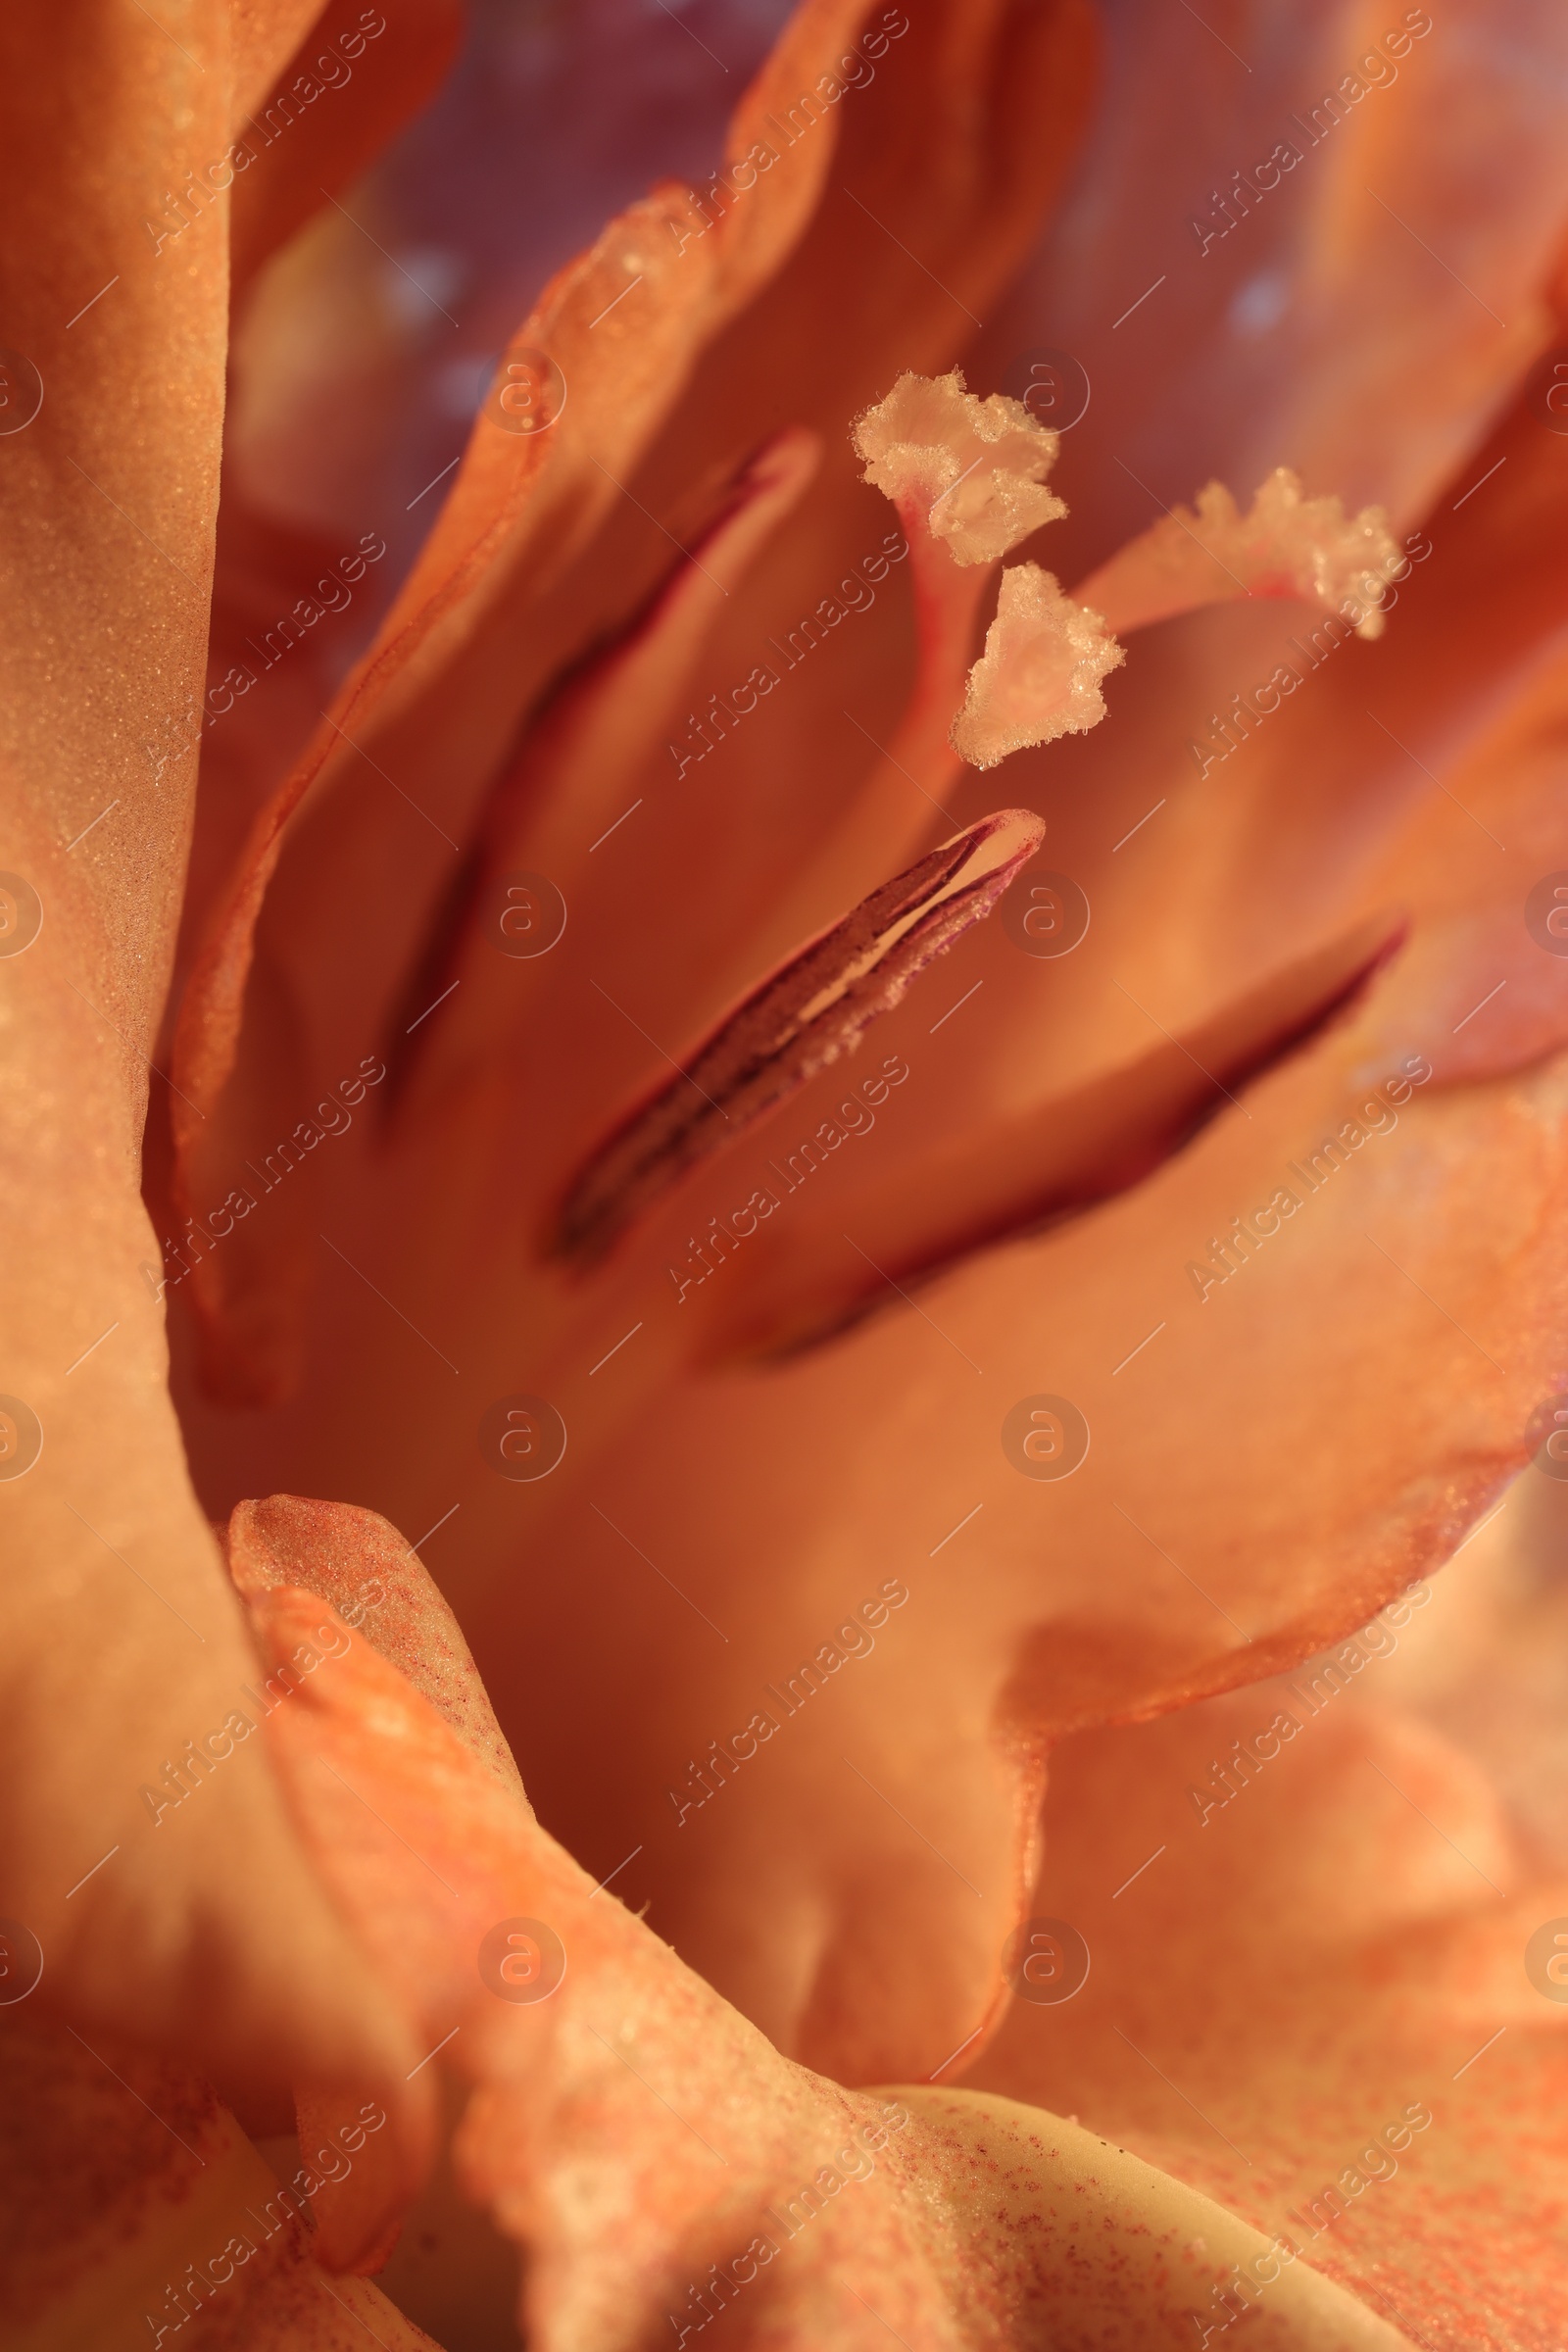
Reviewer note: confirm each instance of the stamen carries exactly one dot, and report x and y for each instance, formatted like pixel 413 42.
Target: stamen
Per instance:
pixel 805 1015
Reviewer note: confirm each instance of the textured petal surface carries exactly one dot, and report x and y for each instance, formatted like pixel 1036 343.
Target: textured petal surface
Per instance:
pixel 108 506
pixel 854 1507
pixel 136 2213
pixel 1311 1999
pixel 647 2146
pixel 724 1529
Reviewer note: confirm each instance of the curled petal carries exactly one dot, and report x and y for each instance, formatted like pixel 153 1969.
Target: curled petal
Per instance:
pixel 1283 545
pixel 654 2155
pixel 358 1561
pixel 975 466
pixel 1038 676
pixel 136 2206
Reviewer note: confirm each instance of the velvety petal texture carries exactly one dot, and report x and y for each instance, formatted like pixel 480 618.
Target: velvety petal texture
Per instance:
pixel 902 1347
pixel 647 2147
pixel 109 501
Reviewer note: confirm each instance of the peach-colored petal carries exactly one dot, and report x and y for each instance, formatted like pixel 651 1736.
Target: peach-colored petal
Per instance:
pixel 109 507
pixel 1055 1621
pixel 1179 1554
pixel 653 2156
pixel 360 1565
pixel 1060 2234
pixel 1174 1558
pixel 1327 1947
pixel 1051 1161
pixel 575 780
pixel 1387 734
pixel 555 484
pixel 138 2212
pixel 118 1619
pixel 1365 319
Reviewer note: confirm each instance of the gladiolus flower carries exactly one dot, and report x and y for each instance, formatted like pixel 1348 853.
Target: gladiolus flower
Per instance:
pixel 726 1445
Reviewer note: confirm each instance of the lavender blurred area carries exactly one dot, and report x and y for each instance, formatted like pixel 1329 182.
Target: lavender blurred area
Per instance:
pixel 363 355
